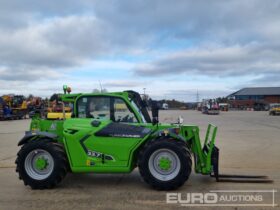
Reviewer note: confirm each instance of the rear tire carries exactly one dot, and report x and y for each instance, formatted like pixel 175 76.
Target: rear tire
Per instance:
pixel 41 164
pixel 165 164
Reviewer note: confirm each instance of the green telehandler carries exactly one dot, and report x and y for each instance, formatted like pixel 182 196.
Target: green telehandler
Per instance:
pixel 114 133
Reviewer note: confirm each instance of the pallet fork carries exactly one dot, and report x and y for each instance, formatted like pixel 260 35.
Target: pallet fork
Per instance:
pixel 207 160
pixel 233 177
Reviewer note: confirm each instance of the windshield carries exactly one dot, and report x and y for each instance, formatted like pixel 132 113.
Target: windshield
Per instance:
pixel 139 111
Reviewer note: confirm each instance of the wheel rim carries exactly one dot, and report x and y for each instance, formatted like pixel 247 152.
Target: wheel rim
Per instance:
pixel 39 164
pixel 164 164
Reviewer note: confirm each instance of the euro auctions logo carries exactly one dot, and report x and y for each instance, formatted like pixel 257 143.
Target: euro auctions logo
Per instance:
pixel 192 198
pixel 224 198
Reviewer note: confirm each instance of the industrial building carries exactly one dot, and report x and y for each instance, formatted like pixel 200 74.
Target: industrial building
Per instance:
pixel 257 98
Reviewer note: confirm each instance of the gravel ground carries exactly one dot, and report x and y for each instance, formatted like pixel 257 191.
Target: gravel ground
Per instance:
pixel 249 143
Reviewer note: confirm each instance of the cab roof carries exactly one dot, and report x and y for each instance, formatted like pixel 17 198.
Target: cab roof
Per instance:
pixel 72 97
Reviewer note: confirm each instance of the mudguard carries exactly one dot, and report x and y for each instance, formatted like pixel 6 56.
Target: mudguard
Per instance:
pixel 170 132
pixel 32 135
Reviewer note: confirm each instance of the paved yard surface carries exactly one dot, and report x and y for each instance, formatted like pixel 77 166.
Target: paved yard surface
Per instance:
pixel 249 143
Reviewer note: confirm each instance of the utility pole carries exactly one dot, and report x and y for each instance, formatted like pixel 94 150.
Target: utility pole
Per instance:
pixel 101 89
pixel 197 96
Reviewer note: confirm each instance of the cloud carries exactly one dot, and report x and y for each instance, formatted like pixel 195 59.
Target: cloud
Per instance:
pixel 230 38
pixel 194 94
pixel 257 59
pixel 123 84
pixel 267 80
pixel 229 21
pixel 28 75
pixel 48 39
pixel 54 42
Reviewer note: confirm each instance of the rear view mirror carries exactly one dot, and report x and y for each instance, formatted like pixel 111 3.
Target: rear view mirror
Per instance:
pixel 155 108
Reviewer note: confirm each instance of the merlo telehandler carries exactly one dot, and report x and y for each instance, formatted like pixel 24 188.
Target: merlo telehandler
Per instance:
pixel 114 133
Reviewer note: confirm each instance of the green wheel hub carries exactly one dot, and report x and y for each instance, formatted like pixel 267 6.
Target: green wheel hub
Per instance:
pixel 41 163
pixel 165 163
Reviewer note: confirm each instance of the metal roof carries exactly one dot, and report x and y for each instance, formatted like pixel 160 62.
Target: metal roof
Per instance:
pixel 257 91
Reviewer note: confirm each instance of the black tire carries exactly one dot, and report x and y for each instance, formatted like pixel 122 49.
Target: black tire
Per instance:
pixel 59 169
pixel 177 147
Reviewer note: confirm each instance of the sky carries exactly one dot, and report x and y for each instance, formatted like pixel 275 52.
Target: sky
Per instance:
pixel 173 49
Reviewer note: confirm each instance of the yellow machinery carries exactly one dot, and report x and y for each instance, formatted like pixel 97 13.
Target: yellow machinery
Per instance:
pixel 58 115
pixel 17 105
pixel 55 109
pixel 274 109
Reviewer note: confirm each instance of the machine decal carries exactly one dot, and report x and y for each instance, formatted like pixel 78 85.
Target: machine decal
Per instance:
pixel 82 142
pixel 53 126
pixel 94 153
pixel 99 155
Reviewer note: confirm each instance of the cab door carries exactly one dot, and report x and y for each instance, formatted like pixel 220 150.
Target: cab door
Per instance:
pixel 104 134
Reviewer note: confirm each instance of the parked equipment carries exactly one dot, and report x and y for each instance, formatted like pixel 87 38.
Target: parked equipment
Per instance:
pixel 102 138
pixel 5 111
pixel 210 107
pixel 56 109
pixel 224 107
pixel 165 106
pixel 13 107
pixel 19 106
pixel 274 109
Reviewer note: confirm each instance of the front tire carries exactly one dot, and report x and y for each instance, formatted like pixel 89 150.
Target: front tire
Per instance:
pixel 165 164
pixel 41 164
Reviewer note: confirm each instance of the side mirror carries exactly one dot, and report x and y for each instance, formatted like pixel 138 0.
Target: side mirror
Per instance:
pixel 155 108
pixel 145 103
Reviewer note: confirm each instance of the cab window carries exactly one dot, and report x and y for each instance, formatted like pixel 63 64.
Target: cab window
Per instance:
pixel 105 108
pixel 94 107
pixel 122 113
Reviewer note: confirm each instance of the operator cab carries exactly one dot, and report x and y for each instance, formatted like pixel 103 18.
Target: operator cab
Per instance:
pixel 105 108
pixel 126 107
